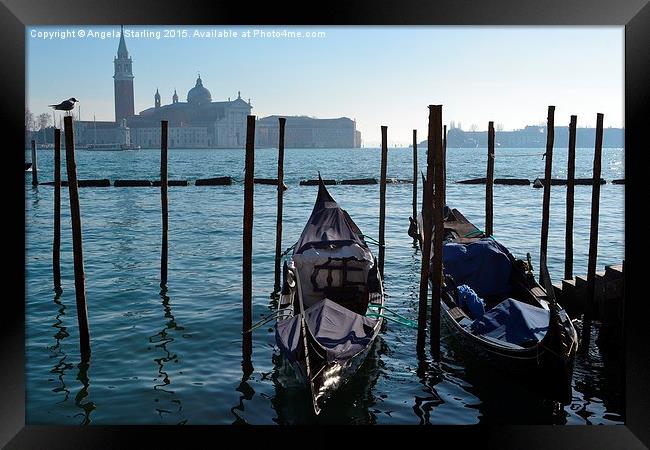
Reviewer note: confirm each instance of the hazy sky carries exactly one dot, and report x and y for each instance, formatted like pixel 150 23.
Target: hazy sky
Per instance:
pixel 376 75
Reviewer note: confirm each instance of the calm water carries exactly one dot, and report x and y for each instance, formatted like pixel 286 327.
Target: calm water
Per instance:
pixel 177 359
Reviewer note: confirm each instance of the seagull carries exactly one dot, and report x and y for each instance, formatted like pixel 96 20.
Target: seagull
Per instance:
pixel 65 105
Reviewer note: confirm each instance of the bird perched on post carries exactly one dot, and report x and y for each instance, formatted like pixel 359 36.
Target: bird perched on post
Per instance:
pixel 65 105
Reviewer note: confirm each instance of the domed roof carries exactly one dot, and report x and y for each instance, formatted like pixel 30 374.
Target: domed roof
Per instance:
pixel 198 94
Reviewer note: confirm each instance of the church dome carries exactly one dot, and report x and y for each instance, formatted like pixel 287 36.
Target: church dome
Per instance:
pixel 198 94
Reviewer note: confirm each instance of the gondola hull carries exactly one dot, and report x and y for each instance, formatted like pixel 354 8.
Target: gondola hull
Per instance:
pixel 536 367
pixel 333 375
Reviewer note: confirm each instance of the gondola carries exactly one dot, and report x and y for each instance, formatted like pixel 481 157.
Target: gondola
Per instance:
pixel 492 302
pixel 329 311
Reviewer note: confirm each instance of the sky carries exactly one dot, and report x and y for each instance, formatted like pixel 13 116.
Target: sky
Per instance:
pixel 375 75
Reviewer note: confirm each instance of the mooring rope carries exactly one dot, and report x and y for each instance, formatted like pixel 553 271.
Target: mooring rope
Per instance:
pixel 410 325
pixel 373 241
pixel 408 322
pixel 263 321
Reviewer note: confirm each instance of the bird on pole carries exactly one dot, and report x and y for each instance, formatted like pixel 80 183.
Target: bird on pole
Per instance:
pixel 65 105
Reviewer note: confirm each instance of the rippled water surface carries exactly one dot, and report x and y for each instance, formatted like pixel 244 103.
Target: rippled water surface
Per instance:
pixel 177 359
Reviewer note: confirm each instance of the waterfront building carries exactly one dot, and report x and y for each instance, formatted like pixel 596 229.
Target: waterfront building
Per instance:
pixel 197 123
pixel 308 132
pixel 200 122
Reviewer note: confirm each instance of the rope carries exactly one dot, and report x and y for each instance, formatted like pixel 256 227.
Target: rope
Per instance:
pixel 262 322
pixel 284 253
pixel 474 233
pixel 390 311
pixel 371 240
pixel 410 325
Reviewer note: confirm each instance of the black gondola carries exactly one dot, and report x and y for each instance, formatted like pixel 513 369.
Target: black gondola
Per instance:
pixel 492 302
pixel 329 312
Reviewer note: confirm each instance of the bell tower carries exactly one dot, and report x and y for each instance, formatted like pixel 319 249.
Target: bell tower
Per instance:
pixel 123 81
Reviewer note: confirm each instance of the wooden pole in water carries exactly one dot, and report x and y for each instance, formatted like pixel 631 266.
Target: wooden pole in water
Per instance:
pixel 593 235
pixel 415 175
pixel 247 322
pixel 34 165
pixel 427 221
pixel 278 223
pixel 77 250
pixel 571 173
pixel 56 246
pixel 550 135
pixel 438 231
pixel 444 165
pixel 489 182
pixel 382 199
pixel 164 203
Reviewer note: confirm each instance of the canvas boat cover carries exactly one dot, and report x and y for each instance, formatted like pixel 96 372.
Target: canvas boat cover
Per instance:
pixel 514 322
pixel 341 332
pixel 328 225
pixel 484 265
pixel 330 237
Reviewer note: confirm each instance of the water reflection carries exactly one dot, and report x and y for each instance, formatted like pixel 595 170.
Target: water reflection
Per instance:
pixel 353 403
pixel 429 374
pixel 598 379
pixel 161 340
pixel 88 406
pixel 502 398
pixel 61 333
pixel 245 389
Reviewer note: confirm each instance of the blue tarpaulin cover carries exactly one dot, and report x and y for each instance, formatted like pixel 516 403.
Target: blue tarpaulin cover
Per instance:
pixel 483 265
pixel 514 322
pixel 468 298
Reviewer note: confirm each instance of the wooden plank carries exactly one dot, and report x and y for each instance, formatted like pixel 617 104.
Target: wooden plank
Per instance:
pixel 457 313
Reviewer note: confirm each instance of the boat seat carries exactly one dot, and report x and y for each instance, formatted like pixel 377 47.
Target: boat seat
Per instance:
pixel 457 313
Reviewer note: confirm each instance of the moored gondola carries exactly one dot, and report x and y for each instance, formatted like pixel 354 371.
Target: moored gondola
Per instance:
pixel 329 312
pixel 492 302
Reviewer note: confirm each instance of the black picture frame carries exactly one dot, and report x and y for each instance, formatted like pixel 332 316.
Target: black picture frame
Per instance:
pixel 633 14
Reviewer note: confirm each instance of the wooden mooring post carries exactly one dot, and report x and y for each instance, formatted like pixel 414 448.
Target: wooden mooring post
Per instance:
pixel 415 175
pixel 444 165
pixel 164 203
pixel 34 165
pixel 570 188
pixel 546 205
pixel 427 221
pixel 593 236
pixel 489 182
pixel 438 231
pixel 278 223
pixel 247 321
pixel 77 250
pixel 56 245
pixel 382 200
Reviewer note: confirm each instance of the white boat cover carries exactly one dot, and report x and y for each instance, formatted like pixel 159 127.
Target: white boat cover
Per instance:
pixel 341 332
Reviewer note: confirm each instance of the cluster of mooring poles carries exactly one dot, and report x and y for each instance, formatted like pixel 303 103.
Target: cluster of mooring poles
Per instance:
pixel 431 235
pixel 432 226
